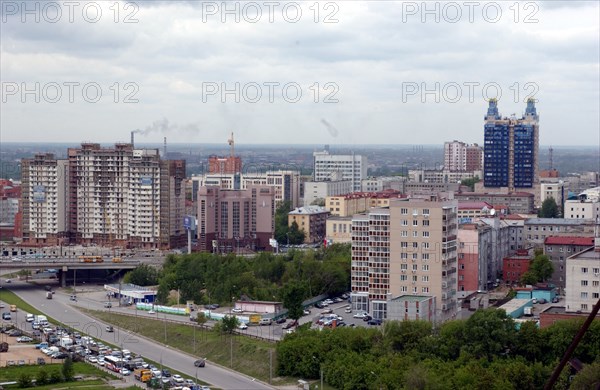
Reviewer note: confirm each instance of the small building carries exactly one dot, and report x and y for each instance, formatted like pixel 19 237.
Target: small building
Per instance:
pixel 538 292
pixel 513 267
pixel 556 313
pixel 558 248
pixel 130 293
pixel 338 230
pixel 412 307
pixel 515 308
pixel 312 220
pixel 259 307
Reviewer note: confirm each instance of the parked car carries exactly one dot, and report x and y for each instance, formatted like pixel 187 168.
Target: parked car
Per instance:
pixel 265 321
pixel 281 320
pixel 237 310
pixel 361 314
pixel 199 363
pixel 374 321
pixel 306 312
pixel 109 328
pixel 290 324
pixel 327 311
pixel 534 300
pixel 555 299
pixel 125 371
pixel 41 361
pixel 177 379
pixel 541 301
pixel 24 339
pixel 166 373
pixel 367 318
pixel 151 312
pixel 6 316
pixel 242 326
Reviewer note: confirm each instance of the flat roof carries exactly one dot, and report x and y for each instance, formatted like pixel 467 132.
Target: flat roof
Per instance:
pixel 412 298
pixel 569 240
pixel 587 254
pixel 514 304
pixel 555 221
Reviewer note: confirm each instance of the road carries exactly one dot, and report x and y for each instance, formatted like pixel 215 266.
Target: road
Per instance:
pixel 61 309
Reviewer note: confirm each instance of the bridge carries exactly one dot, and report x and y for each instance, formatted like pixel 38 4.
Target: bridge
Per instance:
pixel 67 264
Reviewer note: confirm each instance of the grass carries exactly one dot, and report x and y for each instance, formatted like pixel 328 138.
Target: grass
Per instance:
pixel 250 356
pixel 79 368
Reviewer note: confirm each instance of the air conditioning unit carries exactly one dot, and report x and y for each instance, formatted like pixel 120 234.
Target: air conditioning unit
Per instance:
pixel 403 271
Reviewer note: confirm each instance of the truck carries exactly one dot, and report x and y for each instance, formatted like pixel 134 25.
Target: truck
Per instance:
pixel 48 295
pixel 41 319
pixel 142 375
pixel 66 342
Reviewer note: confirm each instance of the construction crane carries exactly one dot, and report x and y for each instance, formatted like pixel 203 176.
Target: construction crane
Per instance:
pixel 231 143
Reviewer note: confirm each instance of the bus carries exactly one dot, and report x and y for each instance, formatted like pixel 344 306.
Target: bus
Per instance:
pixel 113 363
pixel 91 259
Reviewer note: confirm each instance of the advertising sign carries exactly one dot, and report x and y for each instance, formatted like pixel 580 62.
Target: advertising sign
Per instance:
pixel 39 194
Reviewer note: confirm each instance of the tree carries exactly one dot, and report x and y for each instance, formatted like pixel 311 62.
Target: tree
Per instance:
pixel 296 235
pixel 587 378
pixel 68 370
pixel 529 277
pixel 293 296
pixel 24 380
pixel 542 268
pixel 144 275
pixel 229 324
pixel 549 209
pixel 490 332
pixel 470 182
pixel 318 202
pixel 55 377
pixel 281 221
pixel 41 378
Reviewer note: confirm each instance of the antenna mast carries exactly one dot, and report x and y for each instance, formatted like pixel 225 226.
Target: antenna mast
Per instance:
pixel 231 144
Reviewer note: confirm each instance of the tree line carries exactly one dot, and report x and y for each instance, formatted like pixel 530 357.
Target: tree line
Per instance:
pixel 485 351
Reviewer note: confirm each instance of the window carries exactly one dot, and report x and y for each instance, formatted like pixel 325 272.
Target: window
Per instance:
pixel 404 255
pixel 461 266
pixel 415 233
pixel 415 278
pixel 415 267
pixel 584 283
pixel 584 295
pixel 595 283
pixel 425 267
pixel 584 270
pixel 415 256
pixel 404 211
pixel 584 306
pixel 404 244
pixel 425 245
pixel 404 266
pixel 461 277
pixel 425 211
pixel 425 256
pixel 595 295
pixel 403 278
pixel 415 290
pixel 425 222
pixel 596 271
pixel 403 233
pixel 415 245
pixel 404 222
pixel 425 289
pixel 425 279
pixel 549 249
pixel 403 289
pixel 426 234
pixel 415 222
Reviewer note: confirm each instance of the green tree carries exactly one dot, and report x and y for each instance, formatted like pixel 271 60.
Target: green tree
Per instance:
pixel 549 209
pixel 55 377
pixel 491 332
pixel 144 275
pixel 293 296
pixel 318 202
pixel 542 268
pixel 529 277
pixel 295 234
pixel 470 182
pixel 229 324
pixel 41 378
pixel 281 221
pixel 587 378
pixel 68 370
pixel 24 380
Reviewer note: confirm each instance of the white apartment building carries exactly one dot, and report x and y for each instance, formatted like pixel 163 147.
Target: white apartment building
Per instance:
pixel 440 176
pixel 378 184
pixel 314 190
pixel 348 166
pixel 44 199
pixel 9 207
pixel 408 248
pixel 583 280
pixel 461 157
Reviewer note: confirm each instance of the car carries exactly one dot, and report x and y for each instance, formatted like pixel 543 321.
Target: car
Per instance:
pixel 24 339
pixel 166 373
pixel 92 359
pixel 2 305
pixel 73 298
pixel 177 379
pixel 555 299
pixel 319 305
pixel 327 311
pixel 166 381
pixel 6 316
pixel 242 326
pixel 29 318
pixel 290 325
pixel 109 329
pixel 348 310
pixel 125 371
pixel 360 314
pixel 374 321
pixel 189 383
pixel 306 312
pixel 156 373
pixel 290 331
pixel 15 333
pixel 59 355
pixel 237 310
pixel 199 363
pixel 367 318
pixel 338 300
pixel 8 281
pixel 265 321
pixel 281 320
pixel 41 361
pixel 541 301
pixel 151 312
pixel 534 300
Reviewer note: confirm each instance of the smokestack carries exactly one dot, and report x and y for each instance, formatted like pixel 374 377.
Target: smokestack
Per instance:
pixel 165 149
pixel 132 133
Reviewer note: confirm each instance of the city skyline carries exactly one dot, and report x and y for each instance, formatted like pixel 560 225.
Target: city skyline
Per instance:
pixel 373 56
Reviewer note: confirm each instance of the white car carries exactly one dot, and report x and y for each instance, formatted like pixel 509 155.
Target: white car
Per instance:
pixel 237 310
pixel 92 359
pixel 176 378
pixel 360 315
pixel 242 326
pixel 125 371
pixel 156 373
pixel 151 312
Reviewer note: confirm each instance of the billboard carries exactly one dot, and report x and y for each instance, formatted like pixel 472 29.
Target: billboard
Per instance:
pixel 146 181
pixel 189 222
pixel 39 194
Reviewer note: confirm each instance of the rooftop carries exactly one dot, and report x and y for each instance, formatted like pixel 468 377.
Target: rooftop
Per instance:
pixel 411 298
pixel 553 221
pixel 515 304
pixel 588 254
pixel 308 210
pixel 581 241
pixel 468 205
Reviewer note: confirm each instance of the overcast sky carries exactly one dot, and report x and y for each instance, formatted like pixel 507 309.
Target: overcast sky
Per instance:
pixel 361 67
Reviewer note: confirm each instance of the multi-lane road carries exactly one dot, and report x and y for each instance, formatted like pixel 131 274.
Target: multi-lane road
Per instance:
pixel 64 310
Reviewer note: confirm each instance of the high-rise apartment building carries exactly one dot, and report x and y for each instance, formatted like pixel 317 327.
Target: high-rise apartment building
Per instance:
pixel 235 220
pixel 117 196
pixel 44 200
pixel 462 157
pixel 328 167
pixel 511 148
pixel 408 248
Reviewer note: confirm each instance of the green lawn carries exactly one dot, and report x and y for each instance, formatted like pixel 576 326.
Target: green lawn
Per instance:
pixel 79 368
pixel 249 356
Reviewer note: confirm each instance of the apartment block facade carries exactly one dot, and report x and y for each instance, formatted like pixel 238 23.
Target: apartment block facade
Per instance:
pixel 312 220
pixel 462 157
pixel 537 230
pixel 408 248
pixel 559 249
pixel 117 196
pixel 235 220
pixel 583 280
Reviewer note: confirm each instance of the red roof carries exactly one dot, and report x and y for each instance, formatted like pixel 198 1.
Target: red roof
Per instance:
pixel 581 241
pixel 470 205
